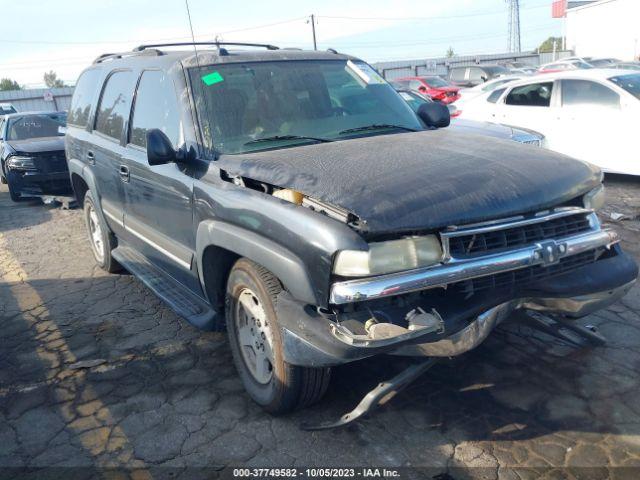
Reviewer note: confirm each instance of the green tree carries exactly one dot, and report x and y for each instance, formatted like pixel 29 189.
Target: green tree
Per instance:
pixel 547 45
pixel 8 84
pixel 51 80
pixel 450 52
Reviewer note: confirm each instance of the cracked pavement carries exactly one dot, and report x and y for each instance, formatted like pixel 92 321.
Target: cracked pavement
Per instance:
pixel 97 372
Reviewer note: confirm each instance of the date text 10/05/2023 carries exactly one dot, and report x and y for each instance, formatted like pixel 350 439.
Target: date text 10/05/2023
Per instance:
pixel 365 472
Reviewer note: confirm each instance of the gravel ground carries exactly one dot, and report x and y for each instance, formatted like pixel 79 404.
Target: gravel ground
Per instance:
pixel 97 373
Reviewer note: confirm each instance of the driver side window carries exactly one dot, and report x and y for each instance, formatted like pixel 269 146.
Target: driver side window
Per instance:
pixel 532 95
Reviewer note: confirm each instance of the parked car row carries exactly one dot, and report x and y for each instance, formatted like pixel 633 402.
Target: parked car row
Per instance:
pixel 589 114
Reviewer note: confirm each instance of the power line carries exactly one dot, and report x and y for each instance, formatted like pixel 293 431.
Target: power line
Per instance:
pixel 441 17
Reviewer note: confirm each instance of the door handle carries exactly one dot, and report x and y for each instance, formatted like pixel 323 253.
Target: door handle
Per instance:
pixel 91 158
pixel 124 173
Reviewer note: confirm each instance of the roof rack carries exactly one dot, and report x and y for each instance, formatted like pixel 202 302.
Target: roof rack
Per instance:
pixel 112 56
pixel 188 44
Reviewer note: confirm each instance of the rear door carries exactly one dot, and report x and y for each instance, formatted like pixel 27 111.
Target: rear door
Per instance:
pixel 108 145
pixel 591 121
pixel 158 209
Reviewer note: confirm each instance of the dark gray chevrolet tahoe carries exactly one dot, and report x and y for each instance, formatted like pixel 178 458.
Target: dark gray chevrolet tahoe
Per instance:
pixel 293 198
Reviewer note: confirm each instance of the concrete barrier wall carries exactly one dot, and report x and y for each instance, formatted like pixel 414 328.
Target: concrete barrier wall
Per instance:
pixel 34 99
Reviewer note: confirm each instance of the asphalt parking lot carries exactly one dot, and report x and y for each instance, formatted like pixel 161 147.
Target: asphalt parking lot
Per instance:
pixel 97 372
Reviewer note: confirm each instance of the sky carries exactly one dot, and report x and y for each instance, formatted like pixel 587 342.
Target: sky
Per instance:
pixel 66 35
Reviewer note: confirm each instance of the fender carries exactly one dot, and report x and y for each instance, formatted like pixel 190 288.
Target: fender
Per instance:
pixel 281 262
pixel 81 169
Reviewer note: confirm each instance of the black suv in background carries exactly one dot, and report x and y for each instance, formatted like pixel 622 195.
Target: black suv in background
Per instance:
pixel 32 160
pixel 294 198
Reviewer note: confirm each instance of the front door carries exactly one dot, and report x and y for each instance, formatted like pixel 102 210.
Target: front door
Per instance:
pixel 528 106
pixel 158 209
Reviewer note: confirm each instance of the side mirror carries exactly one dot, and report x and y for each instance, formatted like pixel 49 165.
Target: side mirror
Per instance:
pixel 159 148
pixel 434 114
pixel 484 78
pixel 422 89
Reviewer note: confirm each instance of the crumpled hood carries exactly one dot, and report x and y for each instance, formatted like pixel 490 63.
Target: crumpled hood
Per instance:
pixel 36 145
pixel 423 180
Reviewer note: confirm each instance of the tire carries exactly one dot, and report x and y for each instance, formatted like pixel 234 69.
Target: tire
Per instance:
pixel 13 193
pixel 277 387
pixel 101 239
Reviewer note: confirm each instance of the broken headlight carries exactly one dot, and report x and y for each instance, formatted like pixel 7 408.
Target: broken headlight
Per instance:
pixel 594 199
pixel 16 162
pixel 388 257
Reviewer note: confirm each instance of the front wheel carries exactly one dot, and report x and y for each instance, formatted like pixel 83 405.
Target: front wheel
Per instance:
pixel 256 343
pixel 14 193
pixel 101 239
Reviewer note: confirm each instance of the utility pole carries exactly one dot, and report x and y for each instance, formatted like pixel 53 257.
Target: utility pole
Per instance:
pixel 514 25
pixel 313 30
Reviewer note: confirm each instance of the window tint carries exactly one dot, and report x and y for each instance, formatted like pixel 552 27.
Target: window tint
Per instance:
pixel 631 83
pixel 457 74
pixel 114 104
pixel 36 126
pixel 495 95
pixel 82 97
pixel 415 85
pixel 156 107
pixel 475 74
pixel 585 92
pixel 533 95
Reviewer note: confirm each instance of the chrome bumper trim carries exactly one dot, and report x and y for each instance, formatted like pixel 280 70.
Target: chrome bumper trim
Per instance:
pixel 456 271
pixel 477 331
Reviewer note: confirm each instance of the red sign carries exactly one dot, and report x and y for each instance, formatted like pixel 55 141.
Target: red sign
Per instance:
pixel 559 9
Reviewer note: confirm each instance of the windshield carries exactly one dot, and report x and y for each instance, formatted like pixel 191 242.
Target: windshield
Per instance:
pixel 245 107
pixel 497 70
pixel 413 100
pixel 6 109
pixel 631 83
pixel 37 126
pixel 435 82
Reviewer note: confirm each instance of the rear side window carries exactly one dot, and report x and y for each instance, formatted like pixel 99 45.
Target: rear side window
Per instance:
pixel 584 92
pixel 156 107
pixel 533 95
pixel 495 95
pixel 115 104
pixel 82 97
pixel 476 74
pixel 457 74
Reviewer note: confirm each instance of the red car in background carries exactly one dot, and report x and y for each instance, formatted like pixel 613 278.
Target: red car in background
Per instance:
pixel 431 85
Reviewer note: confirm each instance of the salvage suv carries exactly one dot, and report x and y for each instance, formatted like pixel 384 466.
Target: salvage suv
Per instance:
pixel 294 198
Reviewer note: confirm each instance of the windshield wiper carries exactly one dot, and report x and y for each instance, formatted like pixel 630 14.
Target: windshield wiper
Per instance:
pixel 377 126
pixel 277 138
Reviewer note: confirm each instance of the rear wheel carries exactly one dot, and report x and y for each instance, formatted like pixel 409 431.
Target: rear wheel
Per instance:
pixel 101 239
pixel 256 343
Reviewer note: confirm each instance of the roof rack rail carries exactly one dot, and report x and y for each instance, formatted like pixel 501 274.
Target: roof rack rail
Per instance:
pixel 112 56
pixel 140 48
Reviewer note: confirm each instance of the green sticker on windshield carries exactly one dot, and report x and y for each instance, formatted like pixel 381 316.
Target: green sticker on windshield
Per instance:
pixel 212 78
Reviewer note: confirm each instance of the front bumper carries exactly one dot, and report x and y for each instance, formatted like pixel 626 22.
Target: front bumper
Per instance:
pixel 313 338
pixel 37 183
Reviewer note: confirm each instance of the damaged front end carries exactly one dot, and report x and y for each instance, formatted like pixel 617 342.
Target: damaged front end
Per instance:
pixel 559 261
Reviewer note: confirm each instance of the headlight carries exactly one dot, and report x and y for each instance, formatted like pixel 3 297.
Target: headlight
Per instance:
pixel 595 198
pixel 16 162
pixel 389 257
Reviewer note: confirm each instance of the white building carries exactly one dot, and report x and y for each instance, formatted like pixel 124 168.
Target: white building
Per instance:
pixel 604 28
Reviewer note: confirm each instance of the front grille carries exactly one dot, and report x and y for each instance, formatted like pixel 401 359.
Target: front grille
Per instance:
pixel 513 237
pixel 509 281
pixel 50 162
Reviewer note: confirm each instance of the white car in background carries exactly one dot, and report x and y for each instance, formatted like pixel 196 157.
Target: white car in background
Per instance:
pixel 487 87
pixel 591 115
